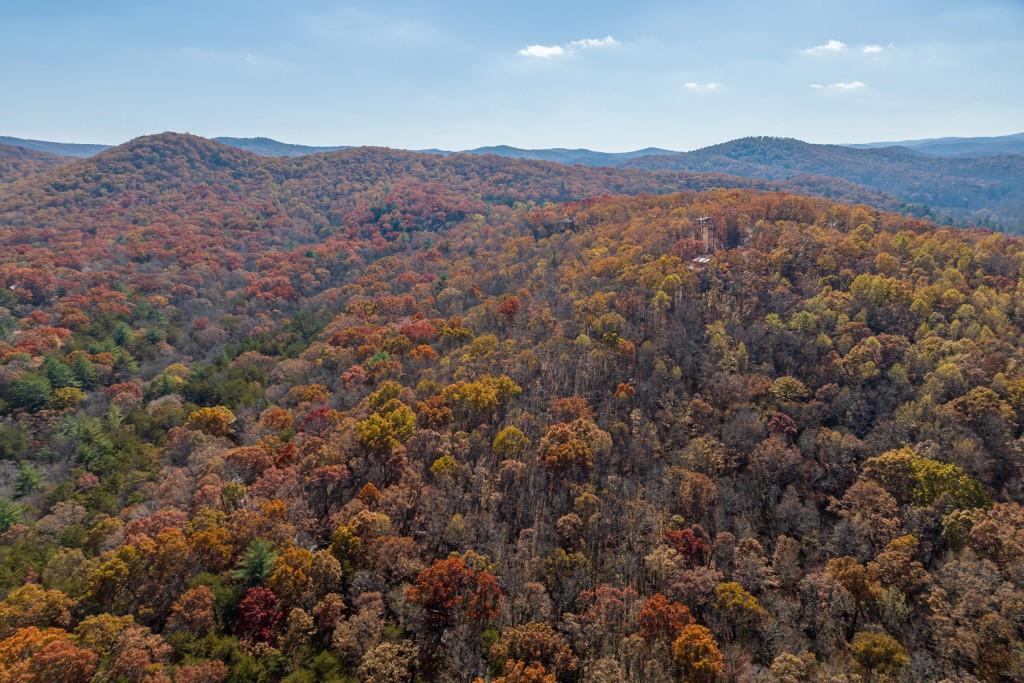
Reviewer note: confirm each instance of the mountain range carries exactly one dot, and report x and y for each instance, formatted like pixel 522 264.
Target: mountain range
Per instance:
pixel 164 173
pixel 264 146
pixel 953 147
pixel 986 190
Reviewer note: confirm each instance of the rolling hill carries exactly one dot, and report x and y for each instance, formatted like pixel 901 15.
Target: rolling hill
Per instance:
pixel 17 163
pixel 965 190
pixel 985 190
pixel 163 175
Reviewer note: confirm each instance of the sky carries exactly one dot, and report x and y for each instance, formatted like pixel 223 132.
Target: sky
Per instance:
pixel 612 76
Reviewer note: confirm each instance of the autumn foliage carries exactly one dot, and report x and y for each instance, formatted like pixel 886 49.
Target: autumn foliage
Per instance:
pixel 381 416
pixel 448 590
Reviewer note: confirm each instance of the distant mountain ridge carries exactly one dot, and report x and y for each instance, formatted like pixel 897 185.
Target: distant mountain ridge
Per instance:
pixel 985 190
pixel 955 146
pixel 67 149
pixel 268 147
pixel 981 190
pixel 584 157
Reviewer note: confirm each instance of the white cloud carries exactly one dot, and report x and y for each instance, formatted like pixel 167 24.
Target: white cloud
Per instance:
pixel 607 41
pixel 831 47
pixel 710 86
pixel 834 46
pixel 549 51
pixel 542 51
pixel 841 86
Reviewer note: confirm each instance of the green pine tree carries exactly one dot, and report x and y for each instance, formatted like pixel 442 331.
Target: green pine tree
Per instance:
pixel 29 391
pixel 85 372
pixel 59 374
pixel 10 514
pixel 27 480
pixel 257 563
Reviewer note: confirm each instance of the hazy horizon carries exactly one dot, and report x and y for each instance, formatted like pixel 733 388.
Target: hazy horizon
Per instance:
pixel 496 144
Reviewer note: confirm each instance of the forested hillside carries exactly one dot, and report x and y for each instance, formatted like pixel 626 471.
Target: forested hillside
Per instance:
pixel 982 190
pixel 169 176
pixel 17 163
pixel 382 416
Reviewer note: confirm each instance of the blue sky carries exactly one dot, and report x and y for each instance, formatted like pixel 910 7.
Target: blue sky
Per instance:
pixel 604 75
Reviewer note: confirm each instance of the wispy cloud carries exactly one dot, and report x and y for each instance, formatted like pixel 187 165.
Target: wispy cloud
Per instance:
pixel 694 86
pixel 831 47
pixel 384 30
pixel 247 60
pixel 841 86
pixel 549 51
pixel 607 41
pixel 834 47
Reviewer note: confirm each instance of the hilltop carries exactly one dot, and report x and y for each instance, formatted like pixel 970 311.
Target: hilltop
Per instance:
pixel 979 190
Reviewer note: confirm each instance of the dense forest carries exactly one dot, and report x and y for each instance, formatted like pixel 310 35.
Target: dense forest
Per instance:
pixel 382 416
pixel 18 163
